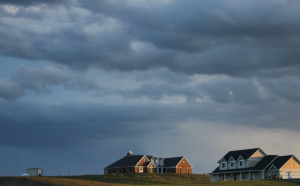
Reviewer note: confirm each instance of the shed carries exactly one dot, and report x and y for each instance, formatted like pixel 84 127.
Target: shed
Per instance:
pixel 34 172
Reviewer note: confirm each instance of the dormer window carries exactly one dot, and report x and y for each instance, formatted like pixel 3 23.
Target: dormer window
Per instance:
pixel 232 164
pixel 224 165
pixel 242 163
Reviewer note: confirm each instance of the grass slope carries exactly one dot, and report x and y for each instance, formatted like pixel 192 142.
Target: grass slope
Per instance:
pixel 146 179
pixel 133 179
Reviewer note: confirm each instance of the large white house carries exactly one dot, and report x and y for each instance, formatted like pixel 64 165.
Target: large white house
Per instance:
pixel 253 164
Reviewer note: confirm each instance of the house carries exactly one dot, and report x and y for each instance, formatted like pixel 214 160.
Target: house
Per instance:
pixel 253 164
pixel 34 172
pixel 149 164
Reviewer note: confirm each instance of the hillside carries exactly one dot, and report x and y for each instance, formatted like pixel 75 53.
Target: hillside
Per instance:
pixel 134 179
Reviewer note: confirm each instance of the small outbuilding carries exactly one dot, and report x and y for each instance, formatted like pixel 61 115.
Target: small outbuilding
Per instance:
pixel 34 172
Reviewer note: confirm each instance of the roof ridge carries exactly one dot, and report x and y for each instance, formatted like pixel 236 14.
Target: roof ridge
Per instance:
pixel 244 149
pixel 175 157
pixel 286 155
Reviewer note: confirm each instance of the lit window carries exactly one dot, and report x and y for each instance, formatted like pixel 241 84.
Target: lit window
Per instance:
pixel 141 169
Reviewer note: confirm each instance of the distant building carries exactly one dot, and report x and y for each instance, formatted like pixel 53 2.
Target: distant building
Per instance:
pixel 149 164
pixel 34 172
pixel 254 164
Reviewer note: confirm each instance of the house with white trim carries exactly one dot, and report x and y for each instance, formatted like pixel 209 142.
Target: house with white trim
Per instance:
pixel 149 164
pixel 254 164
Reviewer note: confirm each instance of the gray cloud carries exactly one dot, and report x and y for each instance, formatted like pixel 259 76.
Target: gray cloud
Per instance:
pixel 217 38
pixel 32 2
pixel 42 81
pixel 148 75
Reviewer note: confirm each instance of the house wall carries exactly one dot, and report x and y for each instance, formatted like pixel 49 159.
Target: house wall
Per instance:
pixel 257 154
pixel 183 165
pixel 251 162
pixel 291 164
pixel 236 176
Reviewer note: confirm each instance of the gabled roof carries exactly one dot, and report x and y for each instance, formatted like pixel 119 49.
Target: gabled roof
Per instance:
pixel 280 161
pixel 264 163
pixel 267 160
pixel 246 153
pixel 172 162
pixel 127 161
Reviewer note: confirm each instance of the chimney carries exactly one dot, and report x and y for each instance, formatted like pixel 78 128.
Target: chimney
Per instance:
pixel 130 153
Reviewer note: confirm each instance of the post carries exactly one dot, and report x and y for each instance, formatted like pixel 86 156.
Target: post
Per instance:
pixel 263 175
pixel 249 175
pixel 217 177
pixel 240 175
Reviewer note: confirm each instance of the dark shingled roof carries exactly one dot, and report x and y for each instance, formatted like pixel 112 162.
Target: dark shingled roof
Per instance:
pixel 127 161
pixel 280 161
pixel 172 162
pixel 246 153
pixel 265 161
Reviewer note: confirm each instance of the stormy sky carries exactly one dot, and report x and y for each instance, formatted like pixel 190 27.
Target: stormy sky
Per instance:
pixel 84 82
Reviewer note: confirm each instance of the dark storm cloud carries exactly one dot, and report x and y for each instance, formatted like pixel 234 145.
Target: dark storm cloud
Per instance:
pixel 31 2
pixel 192 37
pixel 42 81
pixel 71 125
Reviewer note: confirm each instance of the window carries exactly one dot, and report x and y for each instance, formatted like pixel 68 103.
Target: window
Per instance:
pixel 242 163
pixel 141 169
pixel 187 170
pixel 232 164
pixel 179 169
pixel 223 165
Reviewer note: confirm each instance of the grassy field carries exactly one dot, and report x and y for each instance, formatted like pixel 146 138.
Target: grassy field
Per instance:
pixel 133 179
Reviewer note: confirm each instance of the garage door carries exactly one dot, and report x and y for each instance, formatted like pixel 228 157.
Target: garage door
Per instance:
pixel 295 175
pixel 286 175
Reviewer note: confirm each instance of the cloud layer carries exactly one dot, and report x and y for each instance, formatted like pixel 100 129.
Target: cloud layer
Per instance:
pixel 90 79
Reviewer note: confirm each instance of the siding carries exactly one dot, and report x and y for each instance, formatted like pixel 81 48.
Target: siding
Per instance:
pixel 291 164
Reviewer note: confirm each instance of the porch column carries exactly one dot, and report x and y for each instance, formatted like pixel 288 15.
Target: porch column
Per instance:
pixel 217 177
pixel 157 170
pixel 249 175
pixel 240 175
pixel 263 175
